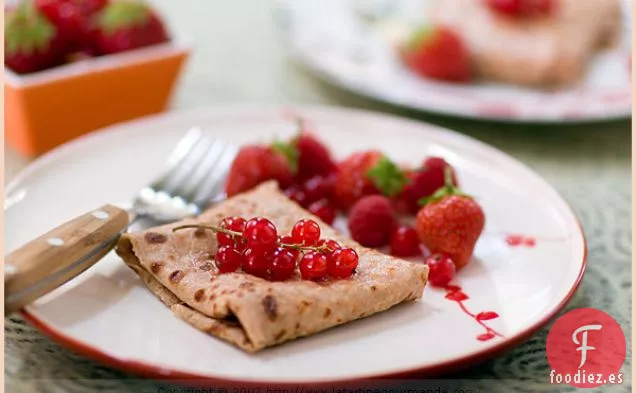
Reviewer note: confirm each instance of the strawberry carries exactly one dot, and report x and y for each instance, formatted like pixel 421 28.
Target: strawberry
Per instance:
pixel 124 25
pixel 71 17
pixel 255 164
pixel 31 41
pixel 366 173
pixel 450 223
pixel 313 157
pixel 423 182
pixel 438 53
pixel 308 154
pixel 522 8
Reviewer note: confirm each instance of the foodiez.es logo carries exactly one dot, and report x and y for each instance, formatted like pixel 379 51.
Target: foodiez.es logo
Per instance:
pixel 586 348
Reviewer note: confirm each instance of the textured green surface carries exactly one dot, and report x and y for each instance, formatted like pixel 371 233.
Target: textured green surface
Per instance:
pixel 240 57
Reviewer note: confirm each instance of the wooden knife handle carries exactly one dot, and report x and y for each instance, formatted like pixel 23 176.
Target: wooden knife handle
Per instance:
pixel 56 257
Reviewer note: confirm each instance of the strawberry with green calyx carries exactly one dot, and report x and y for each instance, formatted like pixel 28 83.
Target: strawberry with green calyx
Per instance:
pixel 289 152
pixel 31 41
pixel 310 156
pixel 437 52
pixel 366 173
pixel 125 25
pixel 72 18
pixel 450 223
pixel 387 177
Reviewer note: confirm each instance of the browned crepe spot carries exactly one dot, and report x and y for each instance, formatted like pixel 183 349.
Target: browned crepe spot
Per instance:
pixel 176 276
pixel 269 305
pixel 156 267
pixel 373 288
pixel 198 295
pixel 206 267
pixel 327 312
pixel 200 232
pixel 155 238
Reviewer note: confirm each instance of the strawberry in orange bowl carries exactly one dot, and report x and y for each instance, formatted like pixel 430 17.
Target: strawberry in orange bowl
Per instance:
pixel 124 25
pixel 32 43
pixel 450 223
pixel 72 18
pixel 44 39
pixel 438 53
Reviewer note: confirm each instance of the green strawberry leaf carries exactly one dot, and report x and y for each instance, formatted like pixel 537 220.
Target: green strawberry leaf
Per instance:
pixel 122 14
pixel 420 36
pixel 27 30
pixel 290 152
pixel 387 177
pixel 447 190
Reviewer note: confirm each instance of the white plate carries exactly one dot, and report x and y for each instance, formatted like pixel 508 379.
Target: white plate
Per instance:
pixel 109 315
pixel 330 37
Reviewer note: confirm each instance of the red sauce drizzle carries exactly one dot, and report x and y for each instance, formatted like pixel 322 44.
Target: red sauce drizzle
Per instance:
pixel 456 294
pixel 515 240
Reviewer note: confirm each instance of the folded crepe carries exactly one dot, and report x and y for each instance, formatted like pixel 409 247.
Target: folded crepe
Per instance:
pixel 548 51
pixel 253 313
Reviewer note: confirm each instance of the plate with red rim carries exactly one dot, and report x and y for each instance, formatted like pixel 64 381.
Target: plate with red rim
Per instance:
pixel 512 287
pixel 352 44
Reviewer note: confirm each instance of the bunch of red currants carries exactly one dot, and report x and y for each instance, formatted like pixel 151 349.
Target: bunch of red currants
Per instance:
pixel 255 247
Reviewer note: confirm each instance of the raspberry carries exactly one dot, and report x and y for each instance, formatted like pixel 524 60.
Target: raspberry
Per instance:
pixel 371 221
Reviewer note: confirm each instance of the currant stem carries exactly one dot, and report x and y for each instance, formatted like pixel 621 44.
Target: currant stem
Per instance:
pixel 210 227
pixel 239 234
pixel 304 248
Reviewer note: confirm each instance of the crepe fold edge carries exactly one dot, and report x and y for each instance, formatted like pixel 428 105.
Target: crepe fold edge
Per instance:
pixel 227 330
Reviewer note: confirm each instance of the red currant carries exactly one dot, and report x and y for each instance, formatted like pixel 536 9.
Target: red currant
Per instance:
pixel 260 234
pixel 282 265
pixel 256 263
pixel 405 242
pixel 441 270
pixel 342 263
pixel 227 259
pixel 324 210
pixel 330 246
pixel 296 194
pixel 306 232
pixel 236 224
pixel 287 240
pixel 316 188
pixel 313 266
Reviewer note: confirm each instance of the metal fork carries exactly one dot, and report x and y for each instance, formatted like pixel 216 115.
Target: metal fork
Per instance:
pixel 192 179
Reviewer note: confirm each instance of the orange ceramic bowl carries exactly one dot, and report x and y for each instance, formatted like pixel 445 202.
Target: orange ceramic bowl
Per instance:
pixel 47 108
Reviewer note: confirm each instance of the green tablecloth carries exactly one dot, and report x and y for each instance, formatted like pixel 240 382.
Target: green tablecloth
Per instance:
pixel 239 57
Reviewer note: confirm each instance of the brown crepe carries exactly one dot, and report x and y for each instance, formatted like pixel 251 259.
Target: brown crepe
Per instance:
pixel 250 312
pixel 550 51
